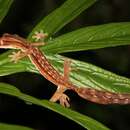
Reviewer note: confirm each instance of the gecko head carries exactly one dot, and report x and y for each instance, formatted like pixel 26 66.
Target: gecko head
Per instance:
pixel 3 43
pixel 9 41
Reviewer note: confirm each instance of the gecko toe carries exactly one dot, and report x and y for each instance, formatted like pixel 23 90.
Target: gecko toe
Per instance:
pixel 64 100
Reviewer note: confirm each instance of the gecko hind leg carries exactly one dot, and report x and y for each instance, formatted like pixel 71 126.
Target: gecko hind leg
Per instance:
pixel 59 94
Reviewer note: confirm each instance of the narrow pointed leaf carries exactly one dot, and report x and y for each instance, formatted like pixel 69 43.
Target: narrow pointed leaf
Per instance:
pixel 83 120
pixel 4 126
pixel 83 74
pixel 62 15
pixel 87 75
pixel 4 7
pixel 93 37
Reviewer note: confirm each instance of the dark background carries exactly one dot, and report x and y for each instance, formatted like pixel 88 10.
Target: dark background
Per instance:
pixel 23 16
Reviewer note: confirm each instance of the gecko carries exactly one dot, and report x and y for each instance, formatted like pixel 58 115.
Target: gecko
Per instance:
pixel 46 69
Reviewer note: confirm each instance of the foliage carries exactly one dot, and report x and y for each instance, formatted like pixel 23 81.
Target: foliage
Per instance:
pixel 93 37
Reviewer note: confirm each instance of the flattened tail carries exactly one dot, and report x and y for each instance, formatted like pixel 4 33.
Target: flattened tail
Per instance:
pixel 102 97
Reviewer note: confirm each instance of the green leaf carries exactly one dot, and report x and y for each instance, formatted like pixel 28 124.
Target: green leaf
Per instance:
pixel 62 15
pixel 87 75
pixel 4 126
pixel 93 37
pixel 6 66
pixel 4 7
pixel 83 74
pixel 83 120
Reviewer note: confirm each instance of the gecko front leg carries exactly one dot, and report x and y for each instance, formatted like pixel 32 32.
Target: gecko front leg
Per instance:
pixel 40 35
pixel 59 94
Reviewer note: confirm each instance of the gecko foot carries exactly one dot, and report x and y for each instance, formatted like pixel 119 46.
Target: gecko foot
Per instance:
pixel 15 56
pixel 60 96
pixel 64 100
pixel 39 35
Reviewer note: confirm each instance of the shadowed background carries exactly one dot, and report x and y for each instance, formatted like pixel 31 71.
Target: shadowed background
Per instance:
pixel 21 19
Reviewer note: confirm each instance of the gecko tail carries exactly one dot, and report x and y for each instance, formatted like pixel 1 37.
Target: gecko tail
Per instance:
pixel 103 97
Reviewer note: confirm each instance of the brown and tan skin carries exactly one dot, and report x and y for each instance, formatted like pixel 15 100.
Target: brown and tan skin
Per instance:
pixel 51 74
